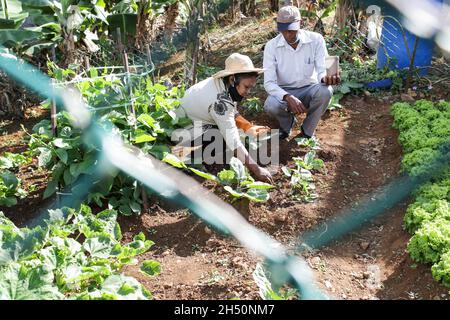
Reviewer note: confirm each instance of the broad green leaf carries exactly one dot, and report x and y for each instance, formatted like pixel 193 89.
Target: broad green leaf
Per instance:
pixel 68 178
pixel 17 283
pixel 51 189
pixel 126 288
pixel 60 143
pixel 174 161
pixel 204 175
pixel 6 163
pixel 238 168
pixel 58 171
pixel 259 185
pixel 286 171
pixel 144 137
pixel 257 195
pixel 8 201
pixel 125 210
pixel 233 192
pixel 135 207
pixel 99 247
pixel 45 157
pixel 20 243
pixel 151 267
pixel 17 36
pixel 62 155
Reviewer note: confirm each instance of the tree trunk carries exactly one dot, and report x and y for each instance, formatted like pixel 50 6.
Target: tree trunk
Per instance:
pixel 194 30
pixel 170 24
pixel 343 12
pixel 142 27
pixel 274 5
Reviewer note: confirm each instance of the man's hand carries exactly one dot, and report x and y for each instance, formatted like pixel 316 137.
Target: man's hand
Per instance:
pixel 263 175
pixel 257 130
pixel 295 105
pixel 331 80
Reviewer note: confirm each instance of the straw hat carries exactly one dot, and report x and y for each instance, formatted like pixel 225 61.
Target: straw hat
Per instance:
pixel 237 63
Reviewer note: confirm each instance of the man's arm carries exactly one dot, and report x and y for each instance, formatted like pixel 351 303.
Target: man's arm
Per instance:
pixel 320 65
pixel 270 73
pixel 319 60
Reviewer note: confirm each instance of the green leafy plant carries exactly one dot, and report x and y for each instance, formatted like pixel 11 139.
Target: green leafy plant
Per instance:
pixel 430 241
pixel 310 143
pixel 266 291
pixel 253 106
pixel 70 159
pixel 10 189
pixel 236 180
pixel 240 184
pixel 75 255
pixel 441 270
pixel 302 180
pixel 424 127
pixel 14 160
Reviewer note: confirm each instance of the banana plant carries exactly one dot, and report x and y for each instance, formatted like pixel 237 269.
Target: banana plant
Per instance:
pixel 49 23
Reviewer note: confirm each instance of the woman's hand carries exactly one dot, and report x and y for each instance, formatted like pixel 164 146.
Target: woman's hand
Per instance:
pixel 263 175
pixel 257 130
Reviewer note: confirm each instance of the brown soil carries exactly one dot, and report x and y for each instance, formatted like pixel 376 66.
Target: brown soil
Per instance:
pixel 361 155
pixel 14 139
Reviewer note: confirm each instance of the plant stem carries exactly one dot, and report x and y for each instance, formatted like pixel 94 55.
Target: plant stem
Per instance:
pixel 411 64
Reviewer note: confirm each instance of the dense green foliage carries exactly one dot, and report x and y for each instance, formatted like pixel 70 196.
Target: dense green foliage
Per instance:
pixel 69 157
pixel 424 128
pixel 74 255
pixel 10 189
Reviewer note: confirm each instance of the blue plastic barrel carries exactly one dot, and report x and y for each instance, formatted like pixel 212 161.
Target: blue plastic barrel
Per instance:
pixel 395 41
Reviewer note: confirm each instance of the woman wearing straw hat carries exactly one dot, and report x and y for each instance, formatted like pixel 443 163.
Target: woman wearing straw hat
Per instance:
pixel 211 105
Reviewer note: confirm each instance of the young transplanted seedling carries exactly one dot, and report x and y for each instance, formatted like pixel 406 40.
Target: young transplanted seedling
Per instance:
pixel 236 181
pixel 303 187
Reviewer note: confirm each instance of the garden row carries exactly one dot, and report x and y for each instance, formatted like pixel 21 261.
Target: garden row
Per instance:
pixel 424 134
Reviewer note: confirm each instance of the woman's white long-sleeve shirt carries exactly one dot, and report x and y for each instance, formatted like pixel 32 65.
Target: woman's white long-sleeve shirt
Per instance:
pixel 208 102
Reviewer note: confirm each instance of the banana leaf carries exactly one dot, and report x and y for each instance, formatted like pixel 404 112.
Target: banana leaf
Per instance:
pixel 12 17
pixel 36 3
pixel 15 37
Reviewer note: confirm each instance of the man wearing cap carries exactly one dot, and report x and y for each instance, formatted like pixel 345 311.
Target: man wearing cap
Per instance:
pixel 211 105
pixel 295 75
